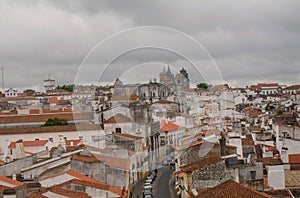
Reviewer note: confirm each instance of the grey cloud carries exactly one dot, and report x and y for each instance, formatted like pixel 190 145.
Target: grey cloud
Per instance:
pixel 249 40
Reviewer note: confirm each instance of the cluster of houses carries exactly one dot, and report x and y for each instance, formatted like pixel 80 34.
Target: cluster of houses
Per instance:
pixel 222 140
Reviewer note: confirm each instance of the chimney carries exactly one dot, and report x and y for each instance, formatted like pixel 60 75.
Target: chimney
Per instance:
pixel 62 141
pixel 14 177
pixel 222 142
pixel 20 151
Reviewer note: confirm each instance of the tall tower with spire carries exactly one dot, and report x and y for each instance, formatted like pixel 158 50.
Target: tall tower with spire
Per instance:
pixel 166 77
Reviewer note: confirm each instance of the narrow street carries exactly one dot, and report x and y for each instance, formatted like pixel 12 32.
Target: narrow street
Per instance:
pixel 161 187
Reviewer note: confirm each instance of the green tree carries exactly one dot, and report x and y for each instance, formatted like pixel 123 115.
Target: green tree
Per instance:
pixel 55 122
pixel 202 85
pixel 69 88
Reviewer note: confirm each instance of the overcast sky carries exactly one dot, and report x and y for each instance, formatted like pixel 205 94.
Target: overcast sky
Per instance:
pixel 245 41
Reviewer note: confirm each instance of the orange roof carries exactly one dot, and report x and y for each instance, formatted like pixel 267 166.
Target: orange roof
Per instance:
pixel 44 117
pixel 248 141
pixel 118 118
pixel 83 177
pixel 65 128
pixel 94 184
pixel 210 132
pixel 166 126
pixel 201 163
pixel 53 101
pixel 162 101
pixel 231 188
pixel 29 143
pixel 75 142
pixel 35 195
pixel 115 162
pixel 131 97
pixel 128 136
pixel 17 98
pixel 294 158
pixel 11 181
pixel 89 159
pixel 68 193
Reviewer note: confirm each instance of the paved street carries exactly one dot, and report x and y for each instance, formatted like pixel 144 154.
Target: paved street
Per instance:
pixel 162 186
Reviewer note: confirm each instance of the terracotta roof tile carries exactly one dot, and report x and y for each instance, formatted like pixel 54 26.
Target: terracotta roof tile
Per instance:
pixel 230 189
pixel 115 162
pixel 201 163
pixel 118 118
pixel 131 97
pixel 75 142
pixel 68 193
pixel 29 143
pixel 128 136
pixel 35 195
pixel 248 141
pixel 211 132
pixel 44 117
pixel 67 128
pixel 294 158
pixel 162 101
pixel 270 161
pixel 89 159
pixel 11 181
pixel 166 126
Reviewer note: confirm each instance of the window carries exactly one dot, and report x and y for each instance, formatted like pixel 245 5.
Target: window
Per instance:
pixel 253 174
pixel 118 130
pixel 50 139
pixel 81 137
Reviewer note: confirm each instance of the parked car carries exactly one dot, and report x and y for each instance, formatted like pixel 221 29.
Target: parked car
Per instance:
pixel 164 162
pixel 148 181
pixel 147 187
pixel 169 159
pixel 147 192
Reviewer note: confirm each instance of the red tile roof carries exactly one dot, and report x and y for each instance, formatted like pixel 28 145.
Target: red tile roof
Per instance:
pixel 67 128
pixel 201 163
pixel 162 101
pixel 131 97
pixel 53 101
pixel 128 136
pixel 97 184
pixel 166 126
pixel 83 177
pixel 230 189
pixel 10 181
pixel 115 162
pixel 29 143
pixel 44 117
pixel 75 142
pixel 118 118
pixel 294 158
pixel 35 195
pixel 211 132
pixel 89 159
pixel 248 141
pixel 68 193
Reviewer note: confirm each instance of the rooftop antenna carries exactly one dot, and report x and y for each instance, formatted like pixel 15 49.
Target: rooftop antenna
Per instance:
pixel 2 70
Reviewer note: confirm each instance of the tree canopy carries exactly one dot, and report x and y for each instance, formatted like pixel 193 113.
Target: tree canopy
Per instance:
pixel 55 122
pixel 202 85
pixel 69 88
